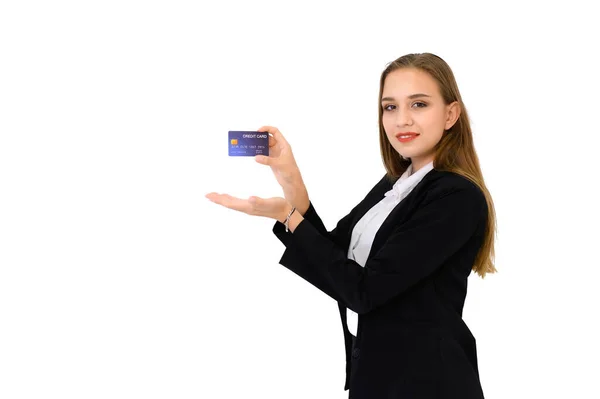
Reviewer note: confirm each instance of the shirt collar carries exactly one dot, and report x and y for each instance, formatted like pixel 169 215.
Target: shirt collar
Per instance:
pixel 408 180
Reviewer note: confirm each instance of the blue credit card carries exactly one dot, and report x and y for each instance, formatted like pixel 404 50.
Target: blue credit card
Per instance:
pixel 248 143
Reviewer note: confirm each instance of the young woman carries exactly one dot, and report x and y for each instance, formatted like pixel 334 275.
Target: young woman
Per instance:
pixel 398 263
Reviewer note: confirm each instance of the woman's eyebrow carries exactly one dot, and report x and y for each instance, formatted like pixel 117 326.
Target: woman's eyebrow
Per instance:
pixel 412 96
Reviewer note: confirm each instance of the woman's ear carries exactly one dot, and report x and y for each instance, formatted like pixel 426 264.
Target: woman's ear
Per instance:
pixel 452 114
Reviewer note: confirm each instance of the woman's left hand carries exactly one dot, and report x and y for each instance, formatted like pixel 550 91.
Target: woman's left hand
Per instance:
pixel 275 207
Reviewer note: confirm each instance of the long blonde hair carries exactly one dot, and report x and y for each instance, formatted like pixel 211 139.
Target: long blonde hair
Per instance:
pixel 455 151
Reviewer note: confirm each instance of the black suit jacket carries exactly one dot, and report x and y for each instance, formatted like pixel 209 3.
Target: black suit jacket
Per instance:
pixel 411 340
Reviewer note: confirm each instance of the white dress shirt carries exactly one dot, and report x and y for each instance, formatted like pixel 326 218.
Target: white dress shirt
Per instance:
pixel 364 231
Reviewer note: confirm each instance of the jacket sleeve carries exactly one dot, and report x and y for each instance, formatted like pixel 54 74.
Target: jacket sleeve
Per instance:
pixel 413 251
pixel 294 257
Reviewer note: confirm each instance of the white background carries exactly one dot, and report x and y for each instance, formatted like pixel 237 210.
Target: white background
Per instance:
pixel 119 279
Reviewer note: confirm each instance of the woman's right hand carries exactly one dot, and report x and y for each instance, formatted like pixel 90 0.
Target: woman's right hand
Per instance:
pixel 284 167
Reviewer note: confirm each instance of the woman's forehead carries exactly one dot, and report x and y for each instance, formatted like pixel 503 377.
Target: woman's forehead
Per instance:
pixel 403 83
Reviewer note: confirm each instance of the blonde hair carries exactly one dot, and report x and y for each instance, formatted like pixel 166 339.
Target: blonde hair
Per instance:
pixel 455 151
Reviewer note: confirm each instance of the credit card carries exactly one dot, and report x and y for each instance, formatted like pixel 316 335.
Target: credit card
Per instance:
pixel 248 143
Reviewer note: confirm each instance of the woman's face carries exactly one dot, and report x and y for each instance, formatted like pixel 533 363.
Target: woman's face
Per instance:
pixel 412 103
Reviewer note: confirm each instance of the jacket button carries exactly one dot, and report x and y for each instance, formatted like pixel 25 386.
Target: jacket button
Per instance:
pixel 355 352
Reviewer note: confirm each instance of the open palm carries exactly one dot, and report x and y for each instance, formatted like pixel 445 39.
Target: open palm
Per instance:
pixel 274 207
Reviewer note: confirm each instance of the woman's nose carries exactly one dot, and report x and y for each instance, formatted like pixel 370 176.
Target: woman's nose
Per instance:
pixel 403 118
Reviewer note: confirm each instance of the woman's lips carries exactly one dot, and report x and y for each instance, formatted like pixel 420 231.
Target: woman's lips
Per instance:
pixel 406 137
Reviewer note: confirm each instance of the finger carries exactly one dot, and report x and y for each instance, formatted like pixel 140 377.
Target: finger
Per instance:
pixel 228 201
pixel 275 132
pixel 211 196
pixel 268 129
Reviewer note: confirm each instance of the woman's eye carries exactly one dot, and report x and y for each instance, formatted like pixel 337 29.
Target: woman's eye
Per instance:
pixel 391 107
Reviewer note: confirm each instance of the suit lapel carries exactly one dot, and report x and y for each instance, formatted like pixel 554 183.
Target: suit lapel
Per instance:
pixel 367 203
pixel 400 212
